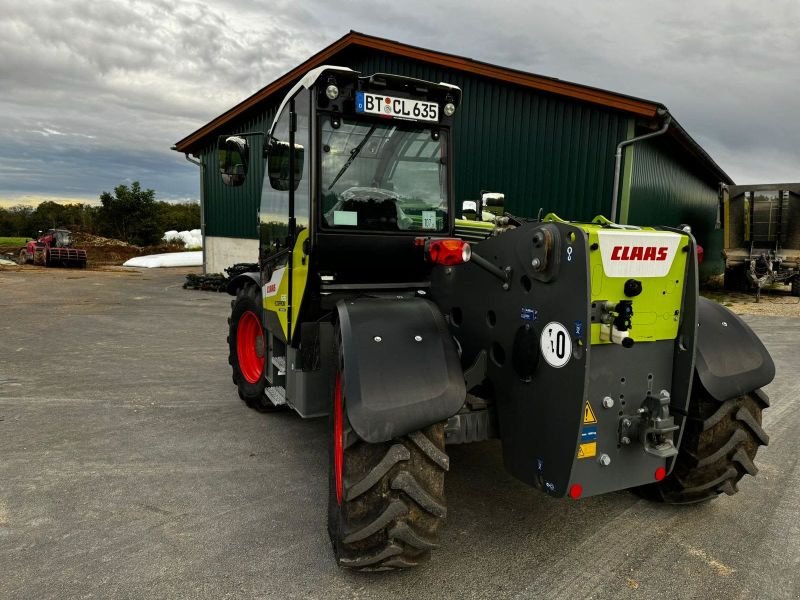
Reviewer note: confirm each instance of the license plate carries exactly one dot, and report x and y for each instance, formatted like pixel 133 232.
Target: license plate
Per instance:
pixel 397 108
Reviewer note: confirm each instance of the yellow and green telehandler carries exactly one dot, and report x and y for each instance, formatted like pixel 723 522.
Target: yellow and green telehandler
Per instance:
pixel 583 347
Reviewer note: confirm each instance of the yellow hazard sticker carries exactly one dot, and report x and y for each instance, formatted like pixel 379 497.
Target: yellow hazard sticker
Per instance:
pixel 587 450
pixel 588 415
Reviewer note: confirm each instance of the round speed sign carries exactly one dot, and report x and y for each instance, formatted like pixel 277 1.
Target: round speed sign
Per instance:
pixel 556 344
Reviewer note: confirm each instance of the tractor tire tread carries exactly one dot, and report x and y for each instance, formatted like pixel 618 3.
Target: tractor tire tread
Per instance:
pixel 718 449
pixel 393 508
pixel 395 454
pixel 428 448
pixel 406 482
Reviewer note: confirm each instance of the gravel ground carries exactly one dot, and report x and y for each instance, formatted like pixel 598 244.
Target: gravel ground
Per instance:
pixel 777 302
pixel 130 469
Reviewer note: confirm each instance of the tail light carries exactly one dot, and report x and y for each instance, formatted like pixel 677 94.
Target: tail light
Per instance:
pixel 448 251
pixel 700 254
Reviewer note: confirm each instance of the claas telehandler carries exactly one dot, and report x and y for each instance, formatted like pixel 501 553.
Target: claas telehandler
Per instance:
pixel 584 347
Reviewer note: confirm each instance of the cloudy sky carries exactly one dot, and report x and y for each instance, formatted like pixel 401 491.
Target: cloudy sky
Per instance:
pixel 94 93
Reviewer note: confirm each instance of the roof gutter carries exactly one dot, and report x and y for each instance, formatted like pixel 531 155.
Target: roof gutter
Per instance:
pixel 202 207
pixel 618 157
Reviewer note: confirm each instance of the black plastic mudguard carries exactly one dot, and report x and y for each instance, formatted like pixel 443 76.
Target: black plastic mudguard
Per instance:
pixel 401 367
pixel 242 280
pixel 730 359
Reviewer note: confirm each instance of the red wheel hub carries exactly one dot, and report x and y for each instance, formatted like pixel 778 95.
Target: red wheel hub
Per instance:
pixel 250 347
pixel 338 442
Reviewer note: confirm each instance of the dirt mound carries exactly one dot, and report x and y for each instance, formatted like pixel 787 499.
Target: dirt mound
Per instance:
pixel 87 240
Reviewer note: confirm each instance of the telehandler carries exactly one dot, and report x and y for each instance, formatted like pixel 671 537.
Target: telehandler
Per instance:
pixel 583 347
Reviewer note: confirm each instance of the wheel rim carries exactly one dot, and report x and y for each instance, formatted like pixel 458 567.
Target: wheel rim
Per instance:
pixel 338 442
pixel 250 347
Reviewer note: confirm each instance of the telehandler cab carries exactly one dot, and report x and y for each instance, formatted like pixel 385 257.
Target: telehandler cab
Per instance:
pixel 583 347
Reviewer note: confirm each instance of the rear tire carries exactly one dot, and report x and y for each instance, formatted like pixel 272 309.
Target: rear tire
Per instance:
pixel 718 448
pixel 386 501
pixel 248 368
pixel 23 257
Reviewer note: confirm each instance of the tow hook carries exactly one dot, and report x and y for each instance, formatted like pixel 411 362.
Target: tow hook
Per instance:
pixel 653 427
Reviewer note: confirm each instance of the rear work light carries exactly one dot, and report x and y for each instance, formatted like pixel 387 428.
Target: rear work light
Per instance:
pixel 448 251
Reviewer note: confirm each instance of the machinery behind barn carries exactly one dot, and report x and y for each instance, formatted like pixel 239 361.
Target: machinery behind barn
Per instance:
pixel 584 347
pixel 53 249
pixel 762 236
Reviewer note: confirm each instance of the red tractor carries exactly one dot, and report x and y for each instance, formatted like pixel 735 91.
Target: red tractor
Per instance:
pixel 51 249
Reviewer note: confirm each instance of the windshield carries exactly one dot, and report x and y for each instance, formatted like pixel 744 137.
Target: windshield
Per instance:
pixel 383 176
pixel 62 237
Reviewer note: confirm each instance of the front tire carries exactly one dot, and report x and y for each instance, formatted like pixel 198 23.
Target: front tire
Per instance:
pixel 718 448
pixel 247 348
pixel 386 501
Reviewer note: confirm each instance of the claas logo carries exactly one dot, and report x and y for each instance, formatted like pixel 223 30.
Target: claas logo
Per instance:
pixel 639 253
pixel 271 287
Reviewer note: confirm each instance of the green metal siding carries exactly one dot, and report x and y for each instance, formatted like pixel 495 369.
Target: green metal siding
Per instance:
pixel 666 191
pixel 232 211
pixel 542 151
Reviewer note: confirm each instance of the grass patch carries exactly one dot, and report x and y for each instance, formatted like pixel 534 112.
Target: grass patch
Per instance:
pixel 13 241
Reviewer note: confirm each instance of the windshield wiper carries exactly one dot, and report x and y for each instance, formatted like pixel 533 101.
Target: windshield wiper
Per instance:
pixel 353 154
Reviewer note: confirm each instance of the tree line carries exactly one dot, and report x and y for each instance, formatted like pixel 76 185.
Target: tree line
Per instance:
pixel 131 214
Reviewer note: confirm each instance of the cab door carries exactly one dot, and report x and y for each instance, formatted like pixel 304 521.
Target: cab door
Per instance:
pixel 283 224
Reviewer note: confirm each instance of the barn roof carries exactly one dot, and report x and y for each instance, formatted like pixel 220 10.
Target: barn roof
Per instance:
pixel 638 107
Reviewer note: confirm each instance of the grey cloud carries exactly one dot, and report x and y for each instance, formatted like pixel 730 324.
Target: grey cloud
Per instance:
pixel 123 80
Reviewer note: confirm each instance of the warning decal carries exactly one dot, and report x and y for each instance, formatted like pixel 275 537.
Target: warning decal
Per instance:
pixel 588 450
pixel 588 415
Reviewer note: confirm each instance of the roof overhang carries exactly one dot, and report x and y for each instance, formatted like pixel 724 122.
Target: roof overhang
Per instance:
pixel 637 107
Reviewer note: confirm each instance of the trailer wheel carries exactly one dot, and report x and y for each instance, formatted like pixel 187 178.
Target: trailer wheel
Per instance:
pixel 795 290
pixel 386 501
pixel 247 348
pixel 718 448
pixel 24 259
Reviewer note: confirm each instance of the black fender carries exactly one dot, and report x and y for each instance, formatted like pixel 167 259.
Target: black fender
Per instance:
pixel 243 279
pixel 730 359
pixel 402 371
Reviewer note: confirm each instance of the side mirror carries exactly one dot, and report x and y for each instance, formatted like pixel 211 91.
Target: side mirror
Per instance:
pixel 469 210
pixel 494 203
pixel 278 164
pixel 233 155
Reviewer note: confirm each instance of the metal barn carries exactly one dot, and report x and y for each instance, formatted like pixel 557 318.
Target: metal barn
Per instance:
pixel 546 143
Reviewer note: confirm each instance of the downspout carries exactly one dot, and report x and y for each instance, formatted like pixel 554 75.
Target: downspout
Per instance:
pixel 202 207
pixel 618 157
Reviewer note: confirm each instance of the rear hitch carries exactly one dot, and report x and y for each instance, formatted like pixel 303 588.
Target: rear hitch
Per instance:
pixel 654 427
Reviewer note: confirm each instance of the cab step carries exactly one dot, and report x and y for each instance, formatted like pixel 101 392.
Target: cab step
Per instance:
pixel 276 394
pixel 279 362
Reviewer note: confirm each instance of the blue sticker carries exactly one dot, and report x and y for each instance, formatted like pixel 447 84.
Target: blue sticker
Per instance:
pixel 589 434
pixel 359 101
pixel 578 329
pixel 529 314
pixel 539 464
